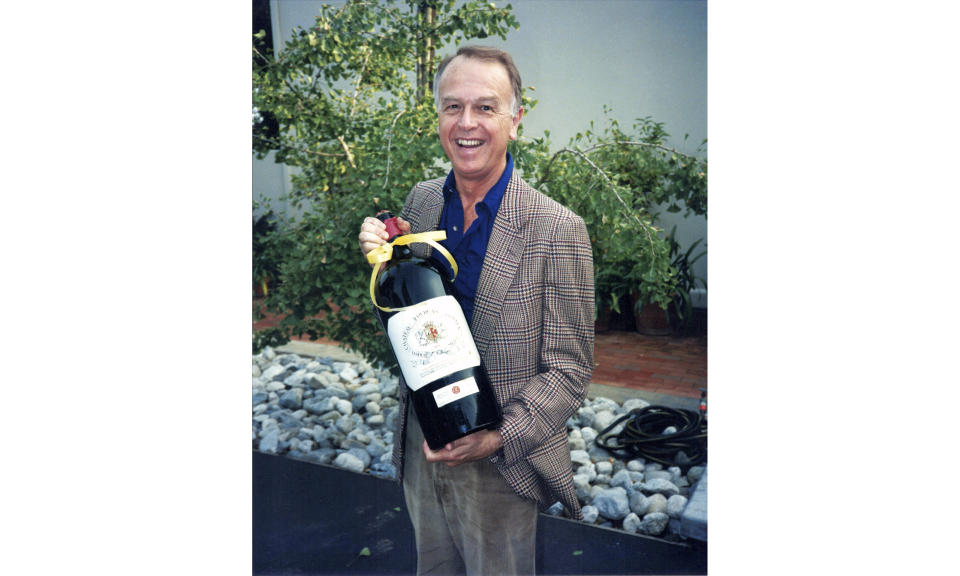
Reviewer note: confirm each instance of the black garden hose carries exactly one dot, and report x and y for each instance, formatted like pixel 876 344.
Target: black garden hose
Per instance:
pixel 642 436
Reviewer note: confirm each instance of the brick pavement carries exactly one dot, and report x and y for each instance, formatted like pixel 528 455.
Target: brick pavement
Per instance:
pixel 661 364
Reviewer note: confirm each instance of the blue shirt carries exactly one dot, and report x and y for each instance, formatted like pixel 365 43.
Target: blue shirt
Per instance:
pixel 469 248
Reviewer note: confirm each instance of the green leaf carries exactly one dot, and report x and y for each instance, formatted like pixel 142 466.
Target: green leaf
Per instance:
pixel 578 552
pixel 365 551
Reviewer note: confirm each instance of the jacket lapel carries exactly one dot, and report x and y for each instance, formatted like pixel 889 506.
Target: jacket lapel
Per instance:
pixel 428 217
pixel 501 263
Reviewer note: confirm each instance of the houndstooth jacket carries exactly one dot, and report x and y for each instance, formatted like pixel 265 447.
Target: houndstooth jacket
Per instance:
pixel 533 326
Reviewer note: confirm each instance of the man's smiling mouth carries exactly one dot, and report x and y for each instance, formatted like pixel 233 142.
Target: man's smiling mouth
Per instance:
pixel 464 143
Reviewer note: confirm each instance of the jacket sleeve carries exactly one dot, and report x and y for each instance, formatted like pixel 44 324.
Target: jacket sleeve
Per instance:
pixel 547 400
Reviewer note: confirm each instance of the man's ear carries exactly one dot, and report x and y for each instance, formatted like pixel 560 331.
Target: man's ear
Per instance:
pixel 515 123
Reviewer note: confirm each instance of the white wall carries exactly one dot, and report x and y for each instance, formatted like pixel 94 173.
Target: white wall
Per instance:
pixel 639 57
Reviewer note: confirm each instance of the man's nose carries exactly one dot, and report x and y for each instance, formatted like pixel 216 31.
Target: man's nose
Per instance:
pixel 467 118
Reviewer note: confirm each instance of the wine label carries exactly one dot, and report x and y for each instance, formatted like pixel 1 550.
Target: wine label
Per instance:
pixel 432 340
pixel 455 391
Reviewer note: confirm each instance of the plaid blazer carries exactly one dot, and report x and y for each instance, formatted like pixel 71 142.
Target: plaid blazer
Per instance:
pixel 533 326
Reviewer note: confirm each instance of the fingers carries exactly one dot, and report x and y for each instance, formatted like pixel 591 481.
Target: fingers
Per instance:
pixel 467 449
pixel 447 455
pixel 429 454
pixel 434 456
pixel 475 446
pixel 372 234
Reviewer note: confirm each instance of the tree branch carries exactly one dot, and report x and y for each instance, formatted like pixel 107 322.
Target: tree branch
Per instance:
pixel 645 144
pixel 356 89
pixel 546 172
pixel 278 144
pixel 346 149
pixel 609 182
pixel 262 57
pixel 386 176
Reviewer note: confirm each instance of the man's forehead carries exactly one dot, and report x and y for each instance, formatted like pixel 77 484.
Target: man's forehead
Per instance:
pixel 458 97
pixel 473 70
pixel 469 61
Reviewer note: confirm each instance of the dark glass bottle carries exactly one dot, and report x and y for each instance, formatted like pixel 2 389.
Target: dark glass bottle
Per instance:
pixel 451 394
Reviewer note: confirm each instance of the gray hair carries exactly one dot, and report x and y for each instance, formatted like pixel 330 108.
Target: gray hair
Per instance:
pixel 486 54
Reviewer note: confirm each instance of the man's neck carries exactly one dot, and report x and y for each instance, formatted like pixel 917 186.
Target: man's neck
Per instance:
pixel 473 191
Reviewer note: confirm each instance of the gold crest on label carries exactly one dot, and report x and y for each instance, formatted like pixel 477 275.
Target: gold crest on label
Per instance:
pixel 429 334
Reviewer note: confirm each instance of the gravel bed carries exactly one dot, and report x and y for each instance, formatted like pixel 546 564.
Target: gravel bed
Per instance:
pixel 343 414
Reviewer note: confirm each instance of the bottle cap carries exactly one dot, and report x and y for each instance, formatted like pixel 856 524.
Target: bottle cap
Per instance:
pixel 390 221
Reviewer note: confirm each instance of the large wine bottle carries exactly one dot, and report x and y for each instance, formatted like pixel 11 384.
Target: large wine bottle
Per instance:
pixel 452 396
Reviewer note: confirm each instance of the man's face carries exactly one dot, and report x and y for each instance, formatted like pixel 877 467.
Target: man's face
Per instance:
pixel 475 124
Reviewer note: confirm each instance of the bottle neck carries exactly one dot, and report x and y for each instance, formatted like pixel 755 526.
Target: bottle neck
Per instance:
pixel 390 221
pixel 393 231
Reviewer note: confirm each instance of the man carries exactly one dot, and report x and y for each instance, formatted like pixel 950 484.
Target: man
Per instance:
pixel 525 283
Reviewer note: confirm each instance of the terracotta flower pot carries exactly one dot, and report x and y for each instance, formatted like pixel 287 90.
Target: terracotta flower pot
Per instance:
pixel 652 320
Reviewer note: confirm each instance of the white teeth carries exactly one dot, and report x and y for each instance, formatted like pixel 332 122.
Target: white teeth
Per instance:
pixel 468 142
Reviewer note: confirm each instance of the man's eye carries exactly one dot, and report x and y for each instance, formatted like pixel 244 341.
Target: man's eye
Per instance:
pixel 452 107
pixel 486 108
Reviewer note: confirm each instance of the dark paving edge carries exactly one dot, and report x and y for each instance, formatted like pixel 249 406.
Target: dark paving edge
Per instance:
pixel 315 519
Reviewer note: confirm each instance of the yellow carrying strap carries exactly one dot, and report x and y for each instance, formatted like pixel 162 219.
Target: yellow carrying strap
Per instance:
pixel 384 253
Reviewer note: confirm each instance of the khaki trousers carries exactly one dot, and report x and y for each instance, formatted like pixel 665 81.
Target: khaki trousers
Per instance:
pixel 466 519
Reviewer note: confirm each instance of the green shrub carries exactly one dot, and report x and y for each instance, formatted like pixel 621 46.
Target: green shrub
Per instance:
pixel 614 180
pixel 349 103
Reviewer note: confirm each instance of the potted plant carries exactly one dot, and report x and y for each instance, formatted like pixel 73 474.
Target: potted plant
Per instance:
pixel 680 309
pixel 653 285
pixel 611 288
pixel 662 303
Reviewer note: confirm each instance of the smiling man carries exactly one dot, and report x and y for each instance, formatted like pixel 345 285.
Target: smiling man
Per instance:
pixel 525 284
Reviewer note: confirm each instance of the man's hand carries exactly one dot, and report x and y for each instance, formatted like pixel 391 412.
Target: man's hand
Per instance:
pixel 476 446
pixel 373 233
